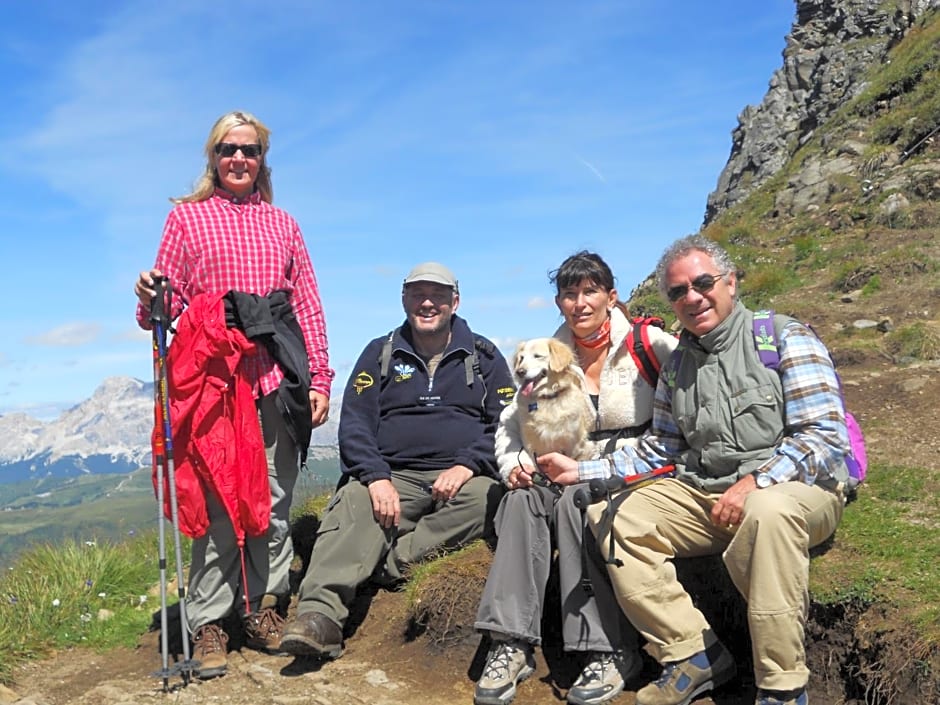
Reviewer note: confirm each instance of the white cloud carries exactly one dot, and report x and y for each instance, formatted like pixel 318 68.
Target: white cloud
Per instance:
pixel 538 302
pixel 68 335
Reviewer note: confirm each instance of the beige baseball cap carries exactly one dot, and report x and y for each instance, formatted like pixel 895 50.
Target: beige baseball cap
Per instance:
pixel 432 272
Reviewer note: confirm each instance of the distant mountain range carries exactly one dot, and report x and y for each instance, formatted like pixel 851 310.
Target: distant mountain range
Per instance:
pixel 107 433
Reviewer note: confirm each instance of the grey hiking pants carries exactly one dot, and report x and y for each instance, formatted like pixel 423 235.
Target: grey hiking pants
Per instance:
pixel 514 596
pixel 351 545
pixel 215 576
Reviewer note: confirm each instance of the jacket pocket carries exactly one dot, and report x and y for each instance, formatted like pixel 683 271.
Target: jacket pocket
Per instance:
pixel 756 418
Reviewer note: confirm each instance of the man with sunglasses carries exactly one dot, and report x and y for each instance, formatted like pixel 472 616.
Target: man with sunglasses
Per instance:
pixel 760 470
pixel 227 238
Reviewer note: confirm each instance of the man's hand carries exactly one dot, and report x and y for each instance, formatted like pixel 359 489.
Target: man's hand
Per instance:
pixel 559 468
pixel 319 408
pixel 386 505
pixel 520 477
pixel 449 482
pixel 729 509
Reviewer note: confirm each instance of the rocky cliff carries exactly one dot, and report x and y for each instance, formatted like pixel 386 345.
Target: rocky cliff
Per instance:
pixel 831 48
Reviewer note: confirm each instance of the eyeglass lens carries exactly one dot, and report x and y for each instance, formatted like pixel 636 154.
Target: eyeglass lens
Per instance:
pixel 702 284
pixel 228 149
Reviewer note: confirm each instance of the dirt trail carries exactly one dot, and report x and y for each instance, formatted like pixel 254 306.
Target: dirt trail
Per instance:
pixel 383 667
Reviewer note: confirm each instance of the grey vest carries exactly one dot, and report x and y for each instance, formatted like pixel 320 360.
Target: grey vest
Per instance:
pixel 727 405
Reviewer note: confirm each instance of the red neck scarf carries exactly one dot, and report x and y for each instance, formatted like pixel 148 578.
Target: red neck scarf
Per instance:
pixel 597 339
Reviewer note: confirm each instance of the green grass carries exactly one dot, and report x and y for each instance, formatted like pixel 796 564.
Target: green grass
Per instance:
pixel 888 548
pixel 76 593
pixel 916 341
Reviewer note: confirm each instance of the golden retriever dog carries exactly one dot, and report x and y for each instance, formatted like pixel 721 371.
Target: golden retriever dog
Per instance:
pixel 553 408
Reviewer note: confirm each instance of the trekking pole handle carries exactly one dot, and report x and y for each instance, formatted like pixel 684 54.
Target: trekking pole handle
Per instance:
pixel 160 300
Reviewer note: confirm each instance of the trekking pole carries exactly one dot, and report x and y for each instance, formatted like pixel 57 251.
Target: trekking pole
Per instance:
pixel 160 321
pixel 159 454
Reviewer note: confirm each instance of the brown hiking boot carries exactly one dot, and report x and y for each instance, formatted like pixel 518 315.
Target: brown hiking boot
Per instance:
pixel 313 634
pixel 209 650
pixel 263 630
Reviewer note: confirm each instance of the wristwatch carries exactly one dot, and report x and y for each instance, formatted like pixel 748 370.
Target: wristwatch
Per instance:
pixel 763 480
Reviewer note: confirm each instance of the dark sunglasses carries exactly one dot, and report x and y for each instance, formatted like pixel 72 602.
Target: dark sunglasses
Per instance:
pixel 703 283
pixel 228 149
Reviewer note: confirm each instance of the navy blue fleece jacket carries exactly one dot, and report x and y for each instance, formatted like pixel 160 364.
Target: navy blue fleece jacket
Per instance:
pixel 409 420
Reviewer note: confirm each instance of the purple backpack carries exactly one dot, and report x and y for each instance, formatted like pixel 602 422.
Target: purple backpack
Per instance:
pixel 765 338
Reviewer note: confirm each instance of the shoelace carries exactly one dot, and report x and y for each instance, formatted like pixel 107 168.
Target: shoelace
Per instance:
pixel 211 639
pixel 266 622
pixel 596 669
pixel 666 675
pixel 498 663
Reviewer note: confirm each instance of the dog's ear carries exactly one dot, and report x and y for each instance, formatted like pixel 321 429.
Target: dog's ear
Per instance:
pixel 515 356
pixel 560 356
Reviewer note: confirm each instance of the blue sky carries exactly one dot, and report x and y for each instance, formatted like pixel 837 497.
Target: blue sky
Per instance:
pixel 497 137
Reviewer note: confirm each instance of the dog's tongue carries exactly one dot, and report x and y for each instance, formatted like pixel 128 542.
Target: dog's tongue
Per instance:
pixel 527 389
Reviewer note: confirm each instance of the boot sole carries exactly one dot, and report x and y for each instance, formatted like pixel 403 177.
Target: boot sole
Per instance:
pixel 718 680
pixel 205 674
pixel 302 646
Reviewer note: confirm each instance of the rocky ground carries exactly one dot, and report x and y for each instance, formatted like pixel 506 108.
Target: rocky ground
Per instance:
pixel 389 662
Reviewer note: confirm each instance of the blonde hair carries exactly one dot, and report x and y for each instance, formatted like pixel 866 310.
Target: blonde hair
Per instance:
pixel 206 183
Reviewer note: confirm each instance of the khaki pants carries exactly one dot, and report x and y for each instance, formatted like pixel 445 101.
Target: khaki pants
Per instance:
pixel 767 556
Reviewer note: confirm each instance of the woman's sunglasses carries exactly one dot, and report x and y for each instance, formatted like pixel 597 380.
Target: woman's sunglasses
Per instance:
pixel 703 283
pixel 228 149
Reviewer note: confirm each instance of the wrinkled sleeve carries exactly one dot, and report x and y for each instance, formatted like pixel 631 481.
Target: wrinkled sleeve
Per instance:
pixel 659 446
pixel 359 420
pixel 815 436
pixel 480 456
pixel 173 262
pixel 308 308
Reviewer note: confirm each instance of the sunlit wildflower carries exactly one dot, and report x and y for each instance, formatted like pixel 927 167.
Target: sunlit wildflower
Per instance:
pixel 85 617
pixel 56 602
pixel 142 599
pixel 102 595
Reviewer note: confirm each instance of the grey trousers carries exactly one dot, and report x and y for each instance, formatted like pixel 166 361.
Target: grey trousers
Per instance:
pixel 215 578
pixel 351 545
pixel 514 596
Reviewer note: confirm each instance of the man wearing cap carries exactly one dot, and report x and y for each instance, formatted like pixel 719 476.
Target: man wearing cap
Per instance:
pixel 416 440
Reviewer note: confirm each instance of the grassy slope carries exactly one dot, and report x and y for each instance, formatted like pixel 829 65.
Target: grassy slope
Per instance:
pixel 888 546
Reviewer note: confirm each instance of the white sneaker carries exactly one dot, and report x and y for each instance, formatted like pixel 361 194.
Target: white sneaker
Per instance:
pixel 604 676
pixel 507 664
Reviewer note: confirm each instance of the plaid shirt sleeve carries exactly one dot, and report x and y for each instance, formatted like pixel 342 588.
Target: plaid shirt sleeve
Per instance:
pixel 662 442
pixel 815 436
pixel 309 312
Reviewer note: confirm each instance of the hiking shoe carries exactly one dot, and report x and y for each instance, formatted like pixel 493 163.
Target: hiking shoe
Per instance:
pixel 604 676
pixel 263 630
pixel 682 681
pixel 507 664
pixel 782 697
pixel 313 634
pixel 209 651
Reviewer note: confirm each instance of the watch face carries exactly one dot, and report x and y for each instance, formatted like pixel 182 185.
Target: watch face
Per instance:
pixel 763 480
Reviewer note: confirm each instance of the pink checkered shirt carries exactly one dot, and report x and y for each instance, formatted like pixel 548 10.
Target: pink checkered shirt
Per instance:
pixel 223 243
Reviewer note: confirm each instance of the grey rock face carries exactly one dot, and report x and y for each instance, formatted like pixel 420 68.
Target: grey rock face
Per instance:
pixel 831 45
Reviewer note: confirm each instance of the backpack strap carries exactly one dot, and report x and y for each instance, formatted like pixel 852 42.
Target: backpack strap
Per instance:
pixel 641 350
pixel 385 357
pixel 765 339
pixel 471 362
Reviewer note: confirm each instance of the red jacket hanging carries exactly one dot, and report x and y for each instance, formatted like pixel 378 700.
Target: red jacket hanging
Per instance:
pixel 217 442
